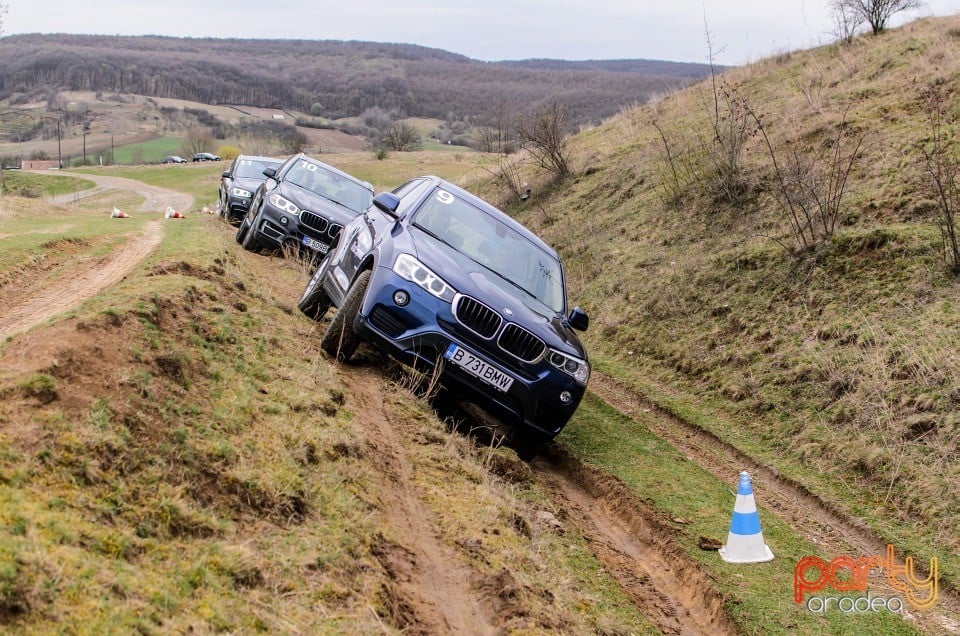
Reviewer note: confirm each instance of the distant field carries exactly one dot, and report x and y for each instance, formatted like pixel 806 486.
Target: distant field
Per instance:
pixel 152 151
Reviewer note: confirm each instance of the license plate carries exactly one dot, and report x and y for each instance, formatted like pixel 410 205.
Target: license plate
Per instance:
pixel 478 368
pixel 315 245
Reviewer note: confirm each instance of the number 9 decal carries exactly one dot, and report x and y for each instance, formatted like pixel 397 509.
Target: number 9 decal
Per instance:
pixel 444 197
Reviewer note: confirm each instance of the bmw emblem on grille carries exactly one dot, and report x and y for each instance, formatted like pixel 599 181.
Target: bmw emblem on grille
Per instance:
pixel 508 311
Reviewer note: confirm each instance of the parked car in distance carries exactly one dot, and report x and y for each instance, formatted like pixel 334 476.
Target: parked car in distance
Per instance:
pixel 173 159
pixel 206 156
pixel 302 205
pixel 442 280
pixel 239 182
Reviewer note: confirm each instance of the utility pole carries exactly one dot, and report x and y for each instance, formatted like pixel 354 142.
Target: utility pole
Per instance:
pixel 59 151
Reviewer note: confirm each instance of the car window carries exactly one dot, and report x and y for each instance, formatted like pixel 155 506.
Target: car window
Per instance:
pixel 251 168
pixel 491 243
pixel 329 184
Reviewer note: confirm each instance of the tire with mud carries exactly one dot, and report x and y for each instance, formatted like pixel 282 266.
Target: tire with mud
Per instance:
pixel 249 241
pixel 242 230
pixel 528 442
pixel 315 302
pixel 340 340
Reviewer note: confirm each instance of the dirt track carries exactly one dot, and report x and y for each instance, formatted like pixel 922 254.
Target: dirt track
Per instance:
pixel 88 279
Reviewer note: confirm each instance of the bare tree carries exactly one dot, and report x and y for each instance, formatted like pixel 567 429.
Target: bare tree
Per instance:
pixel 846 20
pixel 402 137
pixel 198 140
pixel 4 7
pixel 543 133
pixel 876 13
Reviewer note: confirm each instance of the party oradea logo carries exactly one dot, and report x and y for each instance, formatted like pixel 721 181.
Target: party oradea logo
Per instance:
pixel 846 574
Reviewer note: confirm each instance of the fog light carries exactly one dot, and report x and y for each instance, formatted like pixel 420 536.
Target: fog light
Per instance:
pixel 283 220
pixel 566 398
pixel 401 298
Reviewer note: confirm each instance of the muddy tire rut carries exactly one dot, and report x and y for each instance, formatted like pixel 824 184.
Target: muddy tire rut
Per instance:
pixel 635 547
pixel 81 283
pixel 430 591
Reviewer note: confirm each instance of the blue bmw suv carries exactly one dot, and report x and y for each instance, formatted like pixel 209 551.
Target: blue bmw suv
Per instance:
pixel 440 279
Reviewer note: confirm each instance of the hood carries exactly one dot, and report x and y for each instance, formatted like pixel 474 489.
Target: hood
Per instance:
pixel 473 279
pixel 248 184
pixel 307 200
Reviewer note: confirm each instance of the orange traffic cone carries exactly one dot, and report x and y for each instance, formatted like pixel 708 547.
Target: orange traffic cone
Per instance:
pixel 119 214
pixel 173 214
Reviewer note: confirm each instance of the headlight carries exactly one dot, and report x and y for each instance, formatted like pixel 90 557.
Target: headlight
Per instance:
pixel 411 269
pixel 278 201
pixel 240 192
pixel 574 367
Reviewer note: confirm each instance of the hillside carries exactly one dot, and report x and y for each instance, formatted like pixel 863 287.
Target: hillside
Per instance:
pixel 341 78
pixel 835 363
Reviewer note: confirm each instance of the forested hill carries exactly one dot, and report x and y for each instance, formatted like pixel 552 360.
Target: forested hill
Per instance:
pixel 334 78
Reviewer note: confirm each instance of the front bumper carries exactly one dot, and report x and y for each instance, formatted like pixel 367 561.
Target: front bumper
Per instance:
pixel 309 234
pixel 236 208
pixel 419 334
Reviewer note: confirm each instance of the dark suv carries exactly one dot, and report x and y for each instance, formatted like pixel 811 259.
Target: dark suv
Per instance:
pixel 302 205
pixel 238 184
pixel 442 280
pixel 206 156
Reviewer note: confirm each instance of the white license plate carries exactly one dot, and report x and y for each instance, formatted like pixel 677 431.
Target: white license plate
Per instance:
pixel 478 367
pixel 315 244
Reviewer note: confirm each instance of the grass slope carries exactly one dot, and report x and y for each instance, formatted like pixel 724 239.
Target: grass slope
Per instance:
pixel 837 366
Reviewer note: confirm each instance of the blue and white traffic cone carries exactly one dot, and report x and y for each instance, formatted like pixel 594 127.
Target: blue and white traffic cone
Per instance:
pixel 745 540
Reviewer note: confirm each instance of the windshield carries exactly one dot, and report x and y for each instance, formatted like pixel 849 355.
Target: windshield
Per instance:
pixel 494 245
pixel 252 169
pixel 329 185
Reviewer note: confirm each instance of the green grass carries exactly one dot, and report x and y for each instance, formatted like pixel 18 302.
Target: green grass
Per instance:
pixel 152 151
pixel 760 596
pixel 19 183
pixel 202 180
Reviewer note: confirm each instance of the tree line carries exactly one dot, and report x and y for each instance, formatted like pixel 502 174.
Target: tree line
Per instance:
pixel 328 78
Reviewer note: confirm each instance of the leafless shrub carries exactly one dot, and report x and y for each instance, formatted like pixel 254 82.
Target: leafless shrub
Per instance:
pixel 941 166
pixel 544 135
pixel 846 20
pixel 198 140
pixel 811 185
pixel 732 127
pixel 402 137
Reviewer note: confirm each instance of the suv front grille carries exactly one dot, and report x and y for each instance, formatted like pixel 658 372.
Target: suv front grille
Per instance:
pixel 313 221
pixel 486 322
pixel 477 317
pixel 520 343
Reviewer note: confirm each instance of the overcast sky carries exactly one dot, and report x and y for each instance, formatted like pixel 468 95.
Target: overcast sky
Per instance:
pixel 742 30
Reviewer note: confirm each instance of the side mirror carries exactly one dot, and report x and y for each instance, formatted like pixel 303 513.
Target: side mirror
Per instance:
pixel 270 173
pixel 387 202
pixel 579 319
pixel 225 174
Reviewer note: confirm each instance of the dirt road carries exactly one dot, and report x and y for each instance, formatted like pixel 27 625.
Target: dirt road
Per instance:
pixel 88 278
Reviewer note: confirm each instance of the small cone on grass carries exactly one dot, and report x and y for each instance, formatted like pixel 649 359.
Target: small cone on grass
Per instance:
pixel 207 210
pixel 745 541
pixel 119 214
pixel 173 214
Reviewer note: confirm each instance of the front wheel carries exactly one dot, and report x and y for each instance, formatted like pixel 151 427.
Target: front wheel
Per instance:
pixel 315 301
pixel 250 242
pixel 242 230
pixel 340 340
